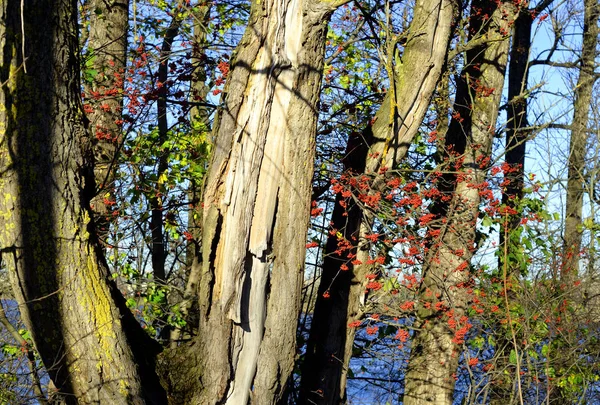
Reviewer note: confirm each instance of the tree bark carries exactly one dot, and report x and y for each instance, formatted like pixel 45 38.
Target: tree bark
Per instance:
pixel 256 207
pixel 573 231
pixel 577 146
pixel 382 145
pixel 92 347
pixel 103 90
pixel 435 344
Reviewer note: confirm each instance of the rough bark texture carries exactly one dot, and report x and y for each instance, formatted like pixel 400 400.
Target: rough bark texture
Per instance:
pixel 91 345
pixel 396 123
pixel 256 207
pixel 435 344
pixel 577 146
pixel 103 89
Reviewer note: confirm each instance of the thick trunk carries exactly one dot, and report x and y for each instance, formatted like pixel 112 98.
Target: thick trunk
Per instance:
pixel 103 88
pixel 436 342
pixel 256 206
pixel 89 342
pixel 395 125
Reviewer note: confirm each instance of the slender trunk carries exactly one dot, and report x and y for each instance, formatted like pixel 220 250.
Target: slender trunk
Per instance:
pixel 577 146
pixel 200 123
pixel 103 89
pixel 576 182
pixel 91 345
pixel 256 207
pixel 396 123
pixel 159 253
pixel 516 138
pixel 436 342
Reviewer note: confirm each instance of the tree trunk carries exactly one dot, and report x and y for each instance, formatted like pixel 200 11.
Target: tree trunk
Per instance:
pixel 576 180
pixel 256 207
pixel 395 125
pixel 103 88
pixel 502 389
pixel 435 344
pixel 200 123
pixel 577 146
pixel 92 347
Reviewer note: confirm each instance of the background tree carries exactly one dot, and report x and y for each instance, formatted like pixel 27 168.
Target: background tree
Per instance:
pixel 381 146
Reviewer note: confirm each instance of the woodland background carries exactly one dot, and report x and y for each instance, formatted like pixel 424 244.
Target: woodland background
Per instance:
pixel 299 202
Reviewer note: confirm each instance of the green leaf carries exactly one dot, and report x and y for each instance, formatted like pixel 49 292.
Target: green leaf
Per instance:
pixel 90 73
pixel 545 350
pixel 512 358
pixel 131 303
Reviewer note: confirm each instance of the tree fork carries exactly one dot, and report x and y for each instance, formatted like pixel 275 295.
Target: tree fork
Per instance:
pixel 90 343
pixel 435 344
pixel 388 140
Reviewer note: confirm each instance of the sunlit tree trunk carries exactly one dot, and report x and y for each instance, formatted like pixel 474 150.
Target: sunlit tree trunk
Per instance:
pixel 573 231
pixel 578 143
pixel 382 145
pixel 92 347
pixel 104 77
pixel 256 204
pixel 436 342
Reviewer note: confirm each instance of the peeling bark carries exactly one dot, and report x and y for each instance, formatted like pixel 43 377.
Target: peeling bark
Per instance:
pixel 256 206
pixel 92 347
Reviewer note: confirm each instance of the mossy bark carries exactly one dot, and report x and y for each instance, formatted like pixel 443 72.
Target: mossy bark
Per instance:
pixel 91 345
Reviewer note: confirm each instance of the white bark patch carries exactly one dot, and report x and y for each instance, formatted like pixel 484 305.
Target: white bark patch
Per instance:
pixel 241 184
pixel 273 122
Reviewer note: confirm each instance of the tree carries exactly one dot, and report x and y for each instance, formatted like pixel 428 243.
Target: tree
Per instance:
pixel 381 146
pixel 578 143
pixel 93 348
pixel 256 205
pixel 105 39
pixel 446 273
